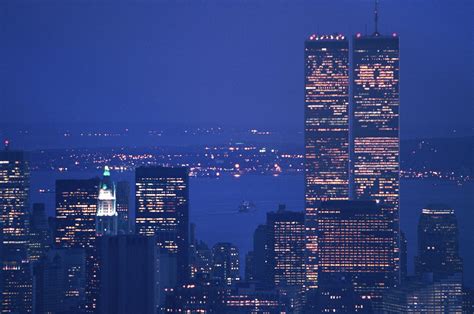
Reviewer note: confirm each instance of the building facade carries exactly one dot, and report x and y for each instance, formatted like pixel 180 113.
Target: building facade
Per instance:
pixel 286 248
pixel 162 210
pixel 16 277
pixel 225 263
pixel 326 132
pixel 75 226
pixel 375 136
pixel 355 242
pixel 438 242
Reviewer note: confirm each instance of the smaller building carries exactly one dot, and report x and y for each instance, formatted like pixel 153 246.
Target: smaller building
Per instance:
pixel 225 263
pixel 424 295
pixel 249 298
pixel 60 281
pixel 40 233
pixel 200 295
pixel 355 241
pixel 438 245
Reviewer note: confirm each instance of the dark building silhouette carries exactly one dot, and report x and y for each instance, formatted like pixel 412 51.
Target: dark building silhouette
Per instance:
pixel 60 281
pixel 438 242
pixel 16 277
pixel 40 233
pixel 355 242
pixel 262 272
pixel 200 295
pixel 375 136
pixel 468 300
pixel 225 263
pixel 250 272
pixel 203 259
pixel 200 256
pixel 326 132
pixel 129 274
pixel 403 256
pixel 162 210
pixel 123 207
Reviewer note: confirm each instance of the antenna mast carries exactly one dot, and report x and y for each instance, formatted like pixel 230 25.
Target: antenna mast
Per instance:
pixel 376 18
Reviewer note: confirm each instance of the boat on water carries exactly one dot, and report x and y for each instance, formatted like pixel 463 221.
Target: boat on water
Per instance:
pixel 246 207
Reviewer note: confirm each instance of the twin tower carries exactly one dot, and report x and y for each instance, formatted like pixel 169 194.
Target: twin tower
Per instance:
pixel 352 140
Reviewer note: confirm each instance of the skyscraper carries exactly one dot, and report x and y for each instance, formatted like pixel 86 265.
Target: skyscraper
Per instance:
pixel 106 217
pixel 375 146
pixel 162 209
pixel 225 263
pixel 326 132
pixel 76 208
pixel 286 248
pixel 14 214
pixel 355 242
pixel 438 244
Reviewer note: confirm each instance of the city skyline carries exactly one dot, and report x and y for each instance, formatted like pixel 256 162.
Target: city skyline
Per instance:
pixel 235 174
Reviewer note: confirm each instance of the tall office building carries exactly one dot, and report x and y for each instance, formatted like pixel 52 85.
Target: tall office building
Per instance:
pixel 225 263
pixel 129 274
pixel 162 210
pixel 355 242
pixel 375 137
pixel 326 132
pixel 14 214
pixel 106 217
pixel 76 208
pixel 123 207
pixel 286 248
pixel 438 244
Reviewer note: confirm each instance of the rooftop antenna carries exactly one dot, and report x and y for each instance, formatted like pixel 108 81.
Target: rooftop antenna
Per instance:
pixel 376 18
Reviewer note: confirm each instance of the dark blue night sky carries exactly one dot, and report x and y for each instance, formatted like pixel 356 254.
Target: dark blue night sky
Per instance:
pixel 233 63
